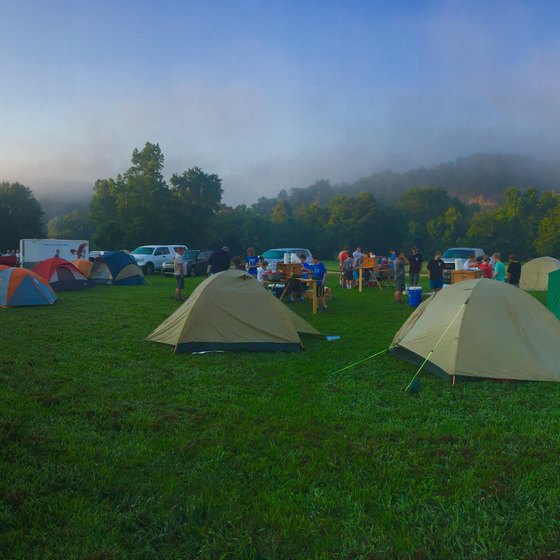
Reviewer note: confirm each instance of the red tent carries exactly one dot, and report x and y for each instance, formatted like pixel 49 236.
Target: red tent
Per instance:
pixel 62 275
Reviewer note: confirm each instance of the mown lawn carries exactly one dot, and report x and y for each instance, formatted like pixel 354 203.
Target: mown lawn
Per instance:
pixel 114 448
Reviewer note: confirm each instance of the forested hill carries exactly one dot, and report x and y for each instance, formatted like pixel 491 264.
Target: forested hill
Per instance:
pixel 468 178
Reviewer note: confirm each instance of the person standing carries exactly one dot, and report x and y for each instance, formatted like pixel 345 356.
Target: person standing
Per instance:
pixel 219 260
pixel 57 254
pixel 499 268
pixel 251 261
pixel 392 259
pixel 262 271
pixel 485 267
pixel 436 267
pixel 470 262
pixel 358 257
pixel 514 271
pixel 179 273
pixel 416 259
pixel 342 256
pixel 320 275
pixel 400 276
pixel 347 271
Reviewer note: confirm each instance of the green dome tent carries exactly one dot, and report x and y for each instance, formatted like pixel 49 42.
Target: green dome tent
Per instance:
pixel 482 328
pixel 232 311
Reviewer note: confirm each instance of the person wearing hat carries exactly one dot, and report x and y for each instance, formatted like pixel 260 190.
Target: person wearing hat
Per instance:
pixel 416 260
pixel 219 260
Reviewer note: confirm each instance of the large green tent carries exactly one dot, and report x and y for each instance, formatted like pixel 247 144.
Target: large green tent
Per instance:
pixel 232 311
pixel 482 328
pixel 553 296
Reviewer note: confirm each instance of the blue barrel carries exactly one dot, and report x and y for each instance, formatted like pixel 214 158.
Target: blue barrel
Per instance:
pixel 414 296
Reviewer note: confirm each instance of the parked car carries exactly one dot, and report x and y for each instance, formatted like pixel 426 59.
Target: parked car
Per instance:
pixel 151 257
pixel 455 253
pixel 195 259
pixel 273 256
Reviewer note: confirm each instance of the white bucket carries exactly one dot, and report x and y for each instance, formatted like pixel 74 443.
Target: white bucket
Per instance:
pixel 286 258
pixel 295 259
pixel 458 264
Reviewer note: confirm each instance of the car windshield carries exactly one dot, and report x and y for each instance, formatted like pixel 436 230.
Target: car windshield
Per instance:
pixel 457 254
pixel 278 255
pixel 190 255
pixel 143 251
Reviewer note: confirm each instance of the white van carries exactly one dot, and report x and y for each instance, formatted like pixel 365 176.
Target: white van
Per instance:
pixel 273 256
pixel 151 257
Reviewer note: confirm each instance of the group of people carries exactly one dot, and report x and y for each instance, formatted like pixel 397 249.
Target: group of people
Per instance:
pixel 490 267
pixel 256 266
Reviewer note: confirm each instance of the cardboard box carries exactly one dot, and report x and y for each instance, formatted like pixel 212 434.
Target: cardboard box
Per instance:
pixel 369 262
pixel 460 275
pixel 291 269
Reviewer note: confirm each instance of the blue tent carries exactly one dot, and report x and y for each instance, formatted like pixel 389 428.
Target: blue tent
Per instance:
pixel 117 268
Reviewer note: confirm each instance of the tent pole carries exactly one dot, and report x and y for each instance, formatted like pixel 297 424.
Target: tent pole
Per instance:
pixel 435 346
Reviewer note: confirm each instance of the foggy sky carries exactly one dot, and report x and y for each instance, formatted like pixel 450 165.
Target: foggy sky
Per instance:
pixel 272 95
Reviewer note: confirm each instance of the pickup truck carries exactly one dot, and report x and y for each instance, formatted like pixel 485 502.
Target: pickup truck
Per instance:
pixel 454 253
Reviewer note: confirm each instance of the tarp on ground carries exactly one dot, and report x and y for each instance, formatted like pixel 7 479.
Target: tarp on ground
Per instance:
pixel 117 268
pixel 20 287
pixel 534 274
pixel 62 275
pixel 232 311
pixel 482 328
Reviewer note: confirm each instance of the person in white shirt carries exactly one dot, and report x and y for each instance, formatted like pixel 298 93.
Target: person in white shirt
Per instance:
pixel 261 271
pixel 179 273
pixel 470 263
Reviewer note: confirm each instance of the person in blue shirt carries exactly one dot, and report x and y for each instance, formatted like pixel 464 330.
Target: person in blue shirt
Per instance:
pixel 251 261
pixel 320 274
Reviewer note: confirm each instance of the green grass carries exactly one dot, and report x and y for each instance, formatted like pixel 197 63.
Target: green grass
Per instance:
pixel 113 447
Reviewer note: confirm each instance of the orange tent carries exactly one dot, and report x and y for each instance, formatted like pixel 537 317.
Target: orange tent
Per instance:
pixel 19 286
pixel 84 266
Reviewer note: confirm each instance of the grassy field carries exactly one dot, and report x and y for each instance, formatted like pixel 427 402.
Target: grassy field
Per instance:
pixel 114 448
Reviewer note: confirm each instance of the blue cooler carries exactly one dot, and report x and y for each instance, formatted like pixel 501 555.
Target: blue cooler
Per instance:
pixel 414 296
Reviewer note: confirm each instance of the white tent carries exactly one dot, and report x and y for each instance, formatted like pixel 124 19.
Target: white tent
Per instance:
pixel 482 328
pixel 232 311
pixel 534 274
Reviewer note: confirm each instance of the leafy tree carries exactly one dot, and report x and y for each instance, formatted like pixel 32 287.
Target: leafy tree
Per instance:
pixel 105 216
pixel 74 225
pixel 547 241
pixel 21 216
pixel 144 200
pixel 196 199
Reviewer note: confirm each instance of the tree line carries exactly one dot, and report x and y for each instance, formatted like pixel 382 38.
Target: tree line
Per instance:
pixel 139 207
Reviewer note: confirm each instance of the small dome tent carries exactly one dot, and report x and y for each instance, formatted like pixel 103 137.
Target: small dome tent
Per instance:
pixel 534 274
pixel 62 275
pixel 482 328
pixel 117 268
pixel 232 311
pixel 20 287
pixel 84 266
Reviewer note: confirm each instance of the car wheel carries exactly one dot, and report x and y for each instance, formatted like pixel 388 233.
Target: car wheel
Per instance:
pixel 148 269
pixel 192 271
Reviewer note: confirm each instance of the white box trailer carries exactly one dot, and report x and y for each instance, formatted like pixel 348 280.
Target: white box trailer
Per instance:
pixel 33 251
